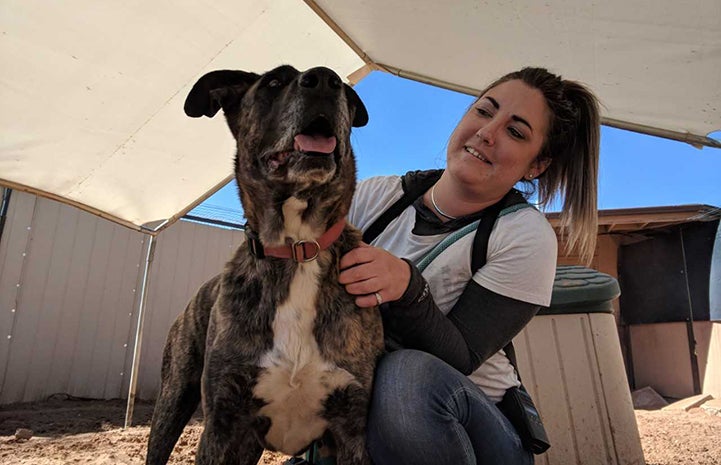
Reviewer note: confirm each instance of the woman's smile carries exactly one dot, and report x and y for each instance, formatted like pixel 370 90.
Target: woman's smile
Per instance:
pixel 476 154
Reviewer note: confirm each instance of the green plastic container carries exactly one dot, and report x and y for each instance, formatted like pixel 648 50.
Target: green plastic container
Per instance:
pixel 578 289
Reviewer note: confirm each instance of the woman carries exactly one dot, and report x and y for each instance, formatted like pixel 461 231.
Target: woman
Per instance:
pixel 434 401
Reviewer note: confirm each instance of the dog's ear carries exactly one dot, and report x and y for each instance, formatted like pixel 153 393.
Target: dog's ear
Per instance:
pixel 216 90
pixel 361 114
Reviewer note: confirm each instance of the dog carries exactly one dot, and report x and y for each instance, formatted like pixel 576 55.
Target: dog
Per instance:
pixel 274 347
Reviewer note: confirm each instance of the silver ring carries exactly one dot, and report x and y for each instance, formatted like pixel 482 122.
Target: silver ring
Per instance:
pixel 379 299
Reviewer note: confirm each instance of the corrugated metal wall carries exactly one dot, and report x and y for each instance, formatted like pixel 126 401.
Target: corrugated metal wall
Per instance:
pixel 69 288
pixel 186 255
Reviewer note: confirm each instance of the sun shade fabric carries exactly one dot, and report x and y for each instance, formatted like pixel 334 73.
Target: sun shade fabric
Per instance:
pixel 92 91
pixel 651 62
pixel 92 95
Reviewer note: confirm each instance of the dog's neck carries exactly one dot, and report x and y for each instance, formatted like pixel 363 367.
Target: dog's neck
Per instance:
pixel 293 221
pixel 297 225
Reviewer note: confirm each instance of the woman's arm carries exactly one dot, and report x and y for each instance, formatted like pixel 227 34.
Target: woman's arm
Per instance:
pixel 479 324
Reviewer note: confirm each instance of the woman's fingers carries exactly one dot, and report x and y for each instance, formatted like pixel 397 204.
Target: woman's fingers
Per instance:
pixel 365 301
pixel 361 254
pixel 368 286
pixel 369 270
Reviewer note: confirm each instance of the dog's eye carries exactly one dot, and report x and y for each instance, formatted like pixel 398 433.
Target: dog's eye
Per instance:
pixel 274 83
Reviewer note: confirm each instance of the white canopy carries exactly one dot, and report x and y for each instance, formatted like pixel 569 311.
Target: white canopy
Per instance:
pixel 92 92
pixel 92 95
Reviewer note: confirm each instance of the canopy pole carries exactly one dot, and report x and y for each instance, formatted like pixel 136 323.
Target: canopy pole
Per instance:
pixel 139 333
pixel 692 139
pixel 4 206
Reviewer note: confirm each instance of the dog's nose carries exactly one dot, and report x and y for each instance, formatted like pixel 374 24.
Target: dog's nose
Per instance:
pixel 320 79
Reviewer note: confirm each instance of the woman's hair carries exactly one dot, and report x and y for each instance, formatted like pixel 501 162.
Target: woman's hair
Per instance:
pixel 572 146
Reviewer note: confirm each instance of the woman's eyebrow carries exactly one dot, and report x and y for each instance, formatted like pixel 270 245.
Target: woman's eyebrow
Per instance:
pixel 522 121
pixel 494 102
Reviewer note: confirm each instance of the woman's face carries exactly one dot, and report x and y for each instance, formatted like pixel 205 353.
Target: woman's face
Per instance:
pixel 497 141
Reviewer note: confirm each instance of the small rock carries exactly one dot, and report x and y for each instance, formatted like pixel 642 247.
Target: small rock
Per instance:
pixel 23 434
pixel 712 407
pixel 647 399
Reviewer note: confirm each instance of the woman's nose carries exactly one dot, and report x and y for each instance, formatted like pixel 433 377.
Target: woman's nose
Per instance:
pixel 487 134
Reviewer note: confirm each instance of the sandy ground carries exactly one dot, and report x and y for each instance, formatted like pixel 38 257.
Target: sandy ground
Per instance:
pixel 90 432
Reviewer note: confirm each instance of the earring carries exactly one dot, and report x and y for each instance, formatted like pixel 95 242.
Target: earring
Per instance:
pixel 530 176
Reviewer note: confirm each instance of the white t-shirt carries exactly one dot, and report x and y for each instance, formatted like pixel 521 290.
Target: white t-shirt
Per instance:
pixel 521 261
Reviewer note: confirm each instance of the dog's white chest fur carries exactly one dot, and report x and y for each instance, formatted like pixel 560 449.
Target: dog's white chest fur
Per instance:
pixel 296 379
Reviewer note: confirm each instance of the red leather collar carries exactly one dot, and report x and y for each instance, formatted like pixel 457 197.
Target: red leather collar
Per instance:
pixel 299 251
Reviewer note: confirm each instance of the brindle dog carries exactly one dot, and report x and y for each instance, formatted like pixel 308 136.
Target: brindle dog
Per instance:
pixel 279 351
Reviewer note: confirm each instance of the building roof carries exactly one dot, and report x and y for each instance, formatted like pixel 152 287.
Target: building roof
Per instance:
pixel 627 220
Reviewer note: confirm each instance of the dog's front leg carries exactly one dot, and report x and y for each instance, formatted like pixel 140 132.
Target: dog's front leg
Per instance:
pixel 230 434
pixel 178 398
pixel 181 373
pixel 223 443
pixel 346 411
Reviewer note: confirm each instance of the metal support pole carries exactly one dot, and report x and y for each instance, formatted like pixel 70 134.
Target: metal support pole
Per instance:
pixel 695 375
pixel 4 206
pixel 139 333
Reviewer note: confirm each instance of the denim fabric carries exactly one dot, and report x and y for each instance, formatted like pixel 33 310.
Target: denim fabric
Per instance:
pixel 425 412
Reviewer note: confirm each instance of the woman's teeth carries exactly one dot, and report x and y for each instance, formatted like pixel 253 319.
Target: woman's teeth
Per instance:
pixel 476 154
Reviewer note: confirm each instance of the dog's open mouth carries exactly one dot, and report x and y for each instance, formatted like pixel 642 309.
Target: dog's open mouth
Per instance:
pixel 315 140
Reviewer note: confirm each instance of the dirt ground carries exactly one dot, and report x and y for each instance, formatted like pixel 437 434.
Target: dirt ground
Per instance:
pixel 67 431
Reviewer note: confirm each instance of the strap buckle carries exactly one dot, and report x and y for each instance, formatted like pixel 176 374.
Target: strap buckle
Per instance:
pixel 300 254
pixel 254 244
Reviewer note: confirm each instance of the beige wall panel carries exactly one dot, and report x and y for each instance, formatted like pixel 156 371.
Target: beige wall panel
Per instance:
pixel 187 255
pixel 537 353
pixel 712 378
pixel 608 263
pixel 661 358
pixel 113 330
pixel 71 325
pixel 74 326
pixel 572 366
pixel 93 317
pixel 12 257
pixel 583 387
pixel 167 296
pixel 612 377
pixel 59 227
pixel 31 295
pixel 524 355
pixel 702 334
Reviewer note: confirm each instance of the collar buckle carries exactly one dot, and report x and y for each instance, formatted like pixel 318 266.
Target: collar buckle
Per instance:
pixel 301 254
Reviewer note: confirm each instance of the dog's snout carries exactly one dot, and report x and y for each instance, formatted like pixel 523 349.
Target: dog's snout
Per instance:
pixel 320 79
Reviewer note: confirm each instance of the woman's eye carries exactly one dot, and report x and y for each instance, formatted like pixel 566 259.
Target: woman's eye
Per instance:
pixel 483 112
pixel 273 83
pixel 516 133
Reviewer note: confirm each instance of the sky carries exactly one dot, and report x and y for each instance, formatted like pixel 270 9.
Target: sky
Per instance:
pixel 410 124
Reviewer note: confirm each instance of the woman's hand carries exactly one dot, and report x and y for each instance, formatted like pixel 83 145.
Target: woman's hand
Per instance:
pixel 373 274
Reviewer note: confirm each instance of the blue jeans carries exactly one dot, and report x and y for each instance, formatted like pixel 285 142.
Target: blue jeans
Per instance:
pixel 424 411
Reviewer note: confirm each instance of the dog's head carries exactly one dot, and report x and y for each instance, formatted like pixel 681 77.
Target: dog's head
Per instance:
pixel 293 136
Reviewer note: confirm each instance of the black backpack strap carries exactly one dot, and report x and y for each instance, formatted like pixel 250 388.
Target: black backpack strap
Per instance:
pixel 480 248
pixel 410 194
pixel 480 240
pixel 479 252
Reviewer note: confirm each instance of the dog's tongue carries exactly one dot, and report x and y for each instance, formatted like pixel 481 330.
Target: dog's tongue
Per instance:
pixel 315 143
